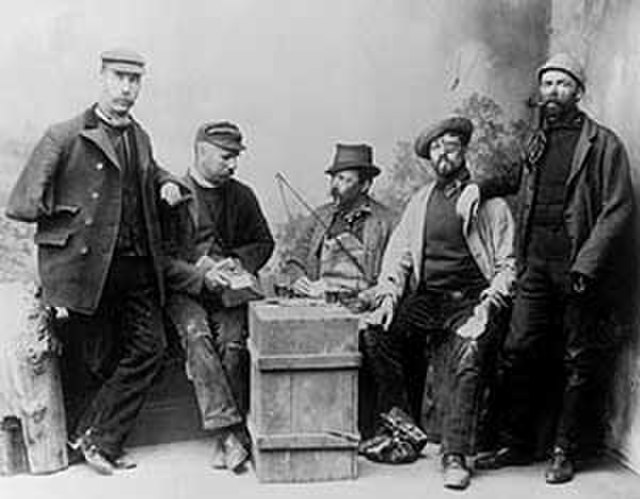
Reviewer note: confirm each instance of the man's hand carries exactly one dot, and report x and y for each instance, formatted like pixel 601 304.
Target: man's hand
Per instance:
pixel 498 300
pixel 305 287
pixel 216 276
pixel 468 202
pixel 61 313
pixel 170 193
pixel 215 280
pixel 382 315
pixel 579 283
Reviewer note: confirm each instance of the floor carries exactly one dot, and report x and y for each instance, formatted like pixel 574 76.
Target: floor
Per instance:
pixel 180 471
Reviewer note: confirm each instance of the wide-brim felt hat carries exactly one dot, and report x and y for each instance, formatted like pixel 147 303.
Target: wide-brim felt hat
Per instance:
pixel 353 157
pixel 459 125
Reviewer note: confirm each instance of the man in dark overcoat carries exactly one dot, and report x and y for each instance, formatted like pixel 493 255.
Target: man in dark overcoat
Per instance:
pixel 93 189
pixel 219 232
pixel 575 217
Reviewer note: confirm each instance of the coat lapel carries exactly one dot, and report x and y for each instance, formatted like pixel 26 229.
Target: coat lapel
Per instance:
pixel 587 136
pixel 98 136
pixel 142 149
pixel 419 216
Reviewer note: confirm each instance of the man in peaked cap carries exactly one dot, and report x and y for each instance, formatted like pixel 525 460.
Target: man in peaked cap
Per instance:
pixel 341 245
pixel 575 220
pixel 219 231
pixel 93 189
pixel 444 278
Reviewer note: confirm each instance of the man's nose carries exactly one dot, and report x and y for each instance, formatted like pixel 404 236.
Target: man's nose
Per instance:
pixel 232 163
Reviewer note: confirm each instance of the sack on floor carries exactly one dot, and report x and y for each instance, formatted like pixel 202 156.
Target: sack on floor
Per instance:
pixel 399 442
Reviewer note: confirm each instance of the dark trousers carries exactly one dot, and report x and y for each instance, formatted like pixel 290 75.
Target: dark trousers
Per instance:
pixel 431 317
pixel 551 326
pixel 214 339
pixel 110 358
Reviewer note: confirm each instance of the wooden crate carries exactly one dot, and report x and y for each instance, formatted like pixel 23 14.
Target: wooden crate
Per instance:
pixel 304 391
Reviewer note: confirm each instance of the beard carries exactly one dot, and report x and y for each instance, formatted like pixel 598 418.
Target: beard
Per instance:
pixel 553 109
pixel 343 198
pixel 445 168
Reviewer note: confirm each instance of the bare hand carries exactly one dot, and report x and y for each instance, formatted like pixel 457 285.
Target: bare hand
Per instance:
pixel 170 193
pixel 579 283
pixel 382 315
pixel 498 300
pixel 216 278
pixel 61 313
pixel 305 287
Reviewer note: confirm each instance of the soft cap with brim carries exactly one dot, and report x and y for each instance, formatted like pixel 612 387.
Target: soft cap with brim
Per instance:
pixel 124 60
pixel 457 125
pixel 565 63
pixel 223 134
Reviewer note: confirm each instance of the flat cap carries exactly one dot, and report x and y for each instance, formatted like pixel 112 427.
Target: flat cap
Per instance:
pixel 223 134
pixel 456 124
pixel 124 60
pixel 565 63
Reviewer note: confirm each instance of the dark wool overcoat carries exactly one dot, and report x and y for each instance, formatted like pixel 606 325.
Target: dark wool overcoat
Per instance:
pixel 71 188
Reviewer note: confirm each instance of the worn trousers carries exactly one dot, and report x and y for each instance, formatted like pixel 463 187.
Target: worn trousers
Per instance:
pixel 551 326
pixel 111 357
pixel 217 361
pixel 432 318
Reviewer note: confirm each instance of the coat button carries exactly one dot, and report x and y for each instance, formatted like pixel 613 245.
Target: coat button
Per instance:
pixel 99 166
pixel 95 195
pixel 88 222
pixel 84 250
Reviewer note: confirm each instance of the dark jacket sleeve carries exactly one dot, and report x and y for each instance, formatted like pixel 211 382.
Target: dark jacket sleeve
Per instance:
pixel 178 234
pixel 254 244
pixel 615 218
pixel 32 196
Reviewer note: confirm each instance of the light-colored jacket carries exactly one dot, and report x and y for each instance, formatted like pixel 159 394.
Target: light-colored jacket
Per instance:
pixel 489 235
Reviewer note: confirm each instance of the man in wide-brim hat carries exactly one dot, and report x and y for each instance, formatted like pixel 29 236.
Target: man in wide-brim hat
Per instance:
pixel 343 241
pixel 341 245
pixel 444 278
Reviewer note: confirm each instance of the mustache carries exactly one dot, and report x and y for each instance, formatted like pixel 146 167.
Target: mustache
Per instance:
pixel 443 160
pixel 124 100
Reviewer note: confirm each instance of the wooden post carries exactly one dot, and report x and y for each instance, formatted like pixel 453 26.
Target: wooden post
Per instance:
pixel 30 386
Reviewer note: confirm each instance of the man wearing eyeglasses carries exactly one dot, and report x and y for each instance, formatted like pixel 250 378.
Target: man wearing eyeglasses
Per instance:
pixel 445 278
pixel 220 232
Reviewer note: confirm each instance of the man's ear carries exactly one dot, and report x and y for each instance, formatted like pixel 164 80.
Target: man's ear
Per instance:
pixel 579 93
pixel 365 185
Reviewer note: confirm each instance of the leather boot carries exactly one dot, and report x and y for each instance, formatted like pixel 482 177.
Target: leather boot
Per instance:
pixel 560 469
